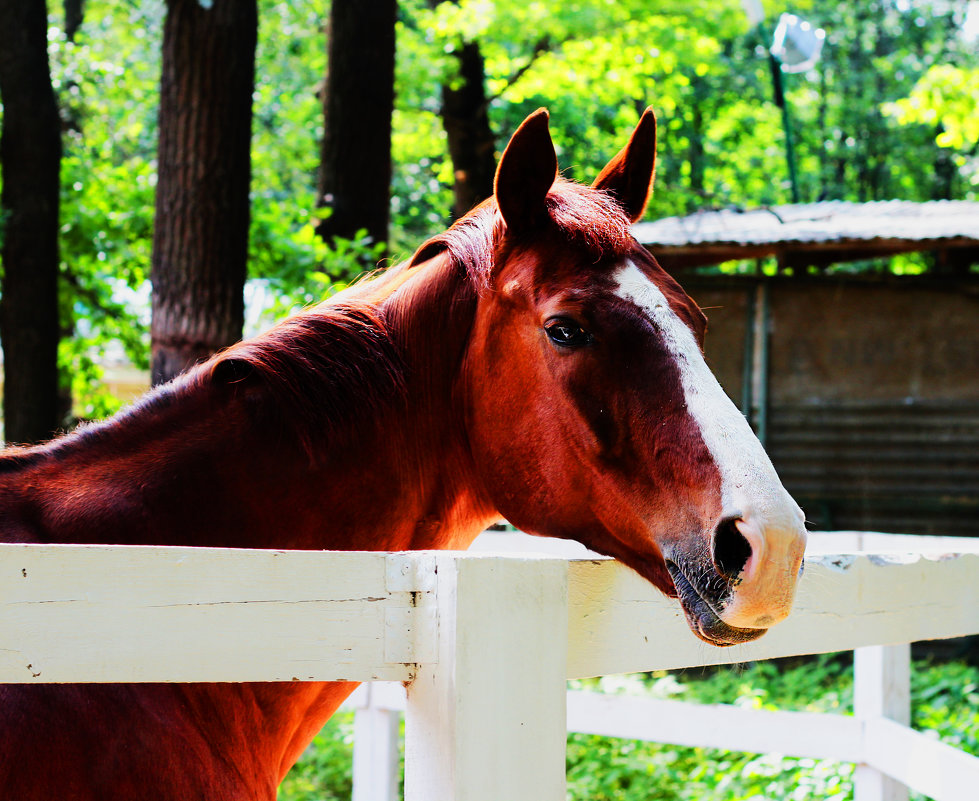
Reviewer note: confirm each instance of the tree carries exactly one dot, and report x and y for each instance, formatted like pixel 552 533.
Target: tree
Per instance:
pixel 465 117
pixel 358 102
pixel 74 14
pixel 30 155
pixel 200 241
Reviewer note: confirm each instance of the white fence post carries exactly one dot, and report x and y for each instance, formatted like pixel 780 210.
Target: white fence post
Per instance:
pixel 377 732
pixel 881 689
pixel 487 722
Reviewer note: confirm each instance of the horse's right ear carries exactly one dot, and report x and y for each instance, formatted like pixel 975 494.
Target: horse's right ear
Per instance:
pixel 629 176
pixel 526 172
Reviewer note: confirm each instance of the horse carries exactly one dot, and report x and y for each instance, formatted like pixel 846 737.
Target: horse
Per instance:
pixel 533 363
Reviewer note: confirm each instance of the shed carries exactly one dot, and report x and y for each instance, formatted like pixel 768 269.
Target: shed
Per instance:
pixel 864 388
pixel 818 233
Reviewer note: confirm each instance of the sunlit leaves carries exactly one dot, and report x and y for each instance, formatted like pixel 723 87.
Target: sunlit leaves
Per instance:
pixel 945 96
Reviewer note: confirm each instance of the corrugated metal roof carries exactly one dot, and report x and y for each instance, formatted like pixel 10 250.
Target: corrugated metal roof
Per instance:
pixel 835 230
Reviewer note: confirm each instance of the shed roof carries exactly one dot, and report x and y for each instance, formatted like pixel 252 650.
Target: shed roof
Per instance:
pixel 815 233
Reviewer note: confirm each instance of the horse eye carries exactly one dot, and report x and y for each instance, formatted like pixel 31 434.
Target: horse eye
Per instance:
pixel 567 333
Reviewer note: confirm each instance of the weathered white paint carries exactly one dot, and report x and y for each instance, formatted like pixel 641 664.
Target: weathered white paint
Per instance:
pixel 487 721
pixel 881 689
pixel 203 614
pixel 619 623
pixel 133 614
pixel 840 542
pixel 750 489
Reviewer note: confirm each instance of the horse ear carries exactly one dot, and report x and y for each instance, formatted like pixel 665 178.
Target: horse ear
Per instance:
pixel 526 172
pixel 629 176
pixel 232 371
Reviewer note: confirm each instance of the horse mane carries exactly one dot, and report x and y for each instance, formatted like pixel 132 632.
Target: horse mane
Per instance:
pixel 318 370
pixel 311 376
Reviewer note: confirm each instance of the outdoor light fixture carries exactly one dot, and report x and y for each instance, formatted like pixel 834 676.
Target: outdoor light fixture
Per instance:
pixel 795 48
pixel 797 44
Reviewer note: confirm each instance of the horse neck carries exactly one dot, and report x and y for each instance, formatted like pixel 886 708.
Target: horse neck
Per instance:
pixel 189 467
pixel 430 308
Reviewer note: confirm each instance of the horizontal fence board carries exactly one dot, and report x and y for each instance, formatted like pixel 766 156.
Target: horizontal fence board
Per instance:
pixel 99 613
pixel 138 614
pixel 922 763
pixel 619 623
pixel 839 542
pixel 732 728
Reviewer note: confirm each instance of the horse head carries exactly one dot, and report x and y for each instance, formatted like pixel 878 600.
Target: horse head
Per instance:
pixel 592 414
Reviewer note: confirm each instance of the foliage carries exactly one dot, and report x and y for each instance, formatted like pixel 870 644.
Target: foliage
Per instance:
pixel 890 111
pixel 107 87
pixel 945 699
pixel 323 773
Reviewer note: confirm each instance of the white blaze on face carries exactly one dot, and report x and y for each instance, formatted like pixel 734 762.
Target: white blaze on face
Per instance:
pixel 769 519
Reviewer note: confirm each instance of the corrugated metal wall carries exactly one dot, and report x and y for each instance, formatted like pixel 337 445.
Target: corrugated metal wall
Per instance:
pixel 872 415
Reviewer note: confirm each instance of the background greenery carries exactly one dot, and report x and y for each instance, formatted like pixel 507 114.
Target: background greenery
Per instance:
pixel 945 700
pixel 890 112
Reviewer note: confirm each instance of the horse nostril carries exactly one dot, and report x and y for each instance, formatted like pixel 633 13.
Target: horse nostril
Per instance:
pixel 731 549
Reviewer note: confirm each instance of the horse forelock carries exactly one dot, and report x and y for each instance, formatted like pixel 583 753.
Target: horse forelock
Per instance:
pixel 584 217
pixel 590 218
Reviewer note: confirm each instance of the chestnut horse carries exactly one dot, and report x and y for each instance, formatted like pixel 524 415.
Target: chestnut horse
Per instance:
pixel 533 362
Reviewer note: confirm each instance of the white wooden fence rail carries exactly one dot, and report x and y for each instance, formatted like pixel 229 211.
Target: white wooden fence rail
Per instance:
pixel 485 643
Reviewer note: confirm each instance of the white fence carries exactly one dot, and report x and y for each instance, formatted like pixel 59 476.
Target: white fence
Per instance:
pixel 485 644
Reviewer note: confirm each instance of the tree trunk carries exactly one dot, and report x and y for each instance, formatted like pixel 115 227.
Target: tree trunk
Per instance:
pixel 200 242
pixel 74 14
pixel 358 101
pixel 472 145
pixel 30 157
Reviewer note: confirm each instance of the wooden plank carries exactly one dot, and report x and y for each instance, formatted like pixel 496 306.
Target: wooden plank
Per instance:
pixel 881 689
pixel 139 614
pixel 724 726
pixel 487 721
pixel 837 542
pixel 619 623
pixel 922 763
pixel 821 736
pixel 376 762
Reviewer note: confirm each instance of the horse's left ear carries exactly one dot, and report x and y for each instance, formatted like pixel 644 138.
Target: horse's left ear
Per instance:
pixel 526 172
pixel 629 176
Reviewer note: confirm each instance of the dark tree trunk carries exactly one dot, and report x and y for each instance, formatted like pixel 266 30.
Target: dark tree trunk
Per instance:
pixel 74 13
pixel 465 118
pixel 355 165
pixel 30 156
pixel 200 242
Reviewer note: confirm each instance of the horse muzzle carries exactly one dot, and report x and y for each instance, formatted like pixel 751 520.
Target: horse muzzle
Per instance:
pixel 749 583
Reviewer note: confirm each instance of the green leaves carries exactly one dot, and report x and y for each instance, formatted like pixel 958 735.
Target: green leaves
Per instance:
pixel 947 98
pixel 890 111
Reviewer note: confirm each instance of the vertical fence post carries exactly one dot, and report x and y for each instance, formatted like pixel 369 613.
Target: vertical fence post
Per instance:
pixel 488 720
pixel 376 758
pixel 881 688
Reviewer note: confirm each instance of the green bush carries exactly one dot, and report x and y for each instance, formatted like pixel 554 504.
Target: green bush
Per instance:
pixel 945 700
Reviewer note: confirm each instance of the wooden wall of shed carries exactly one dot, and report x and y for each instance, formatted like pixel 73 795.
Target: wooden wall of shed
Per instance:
pixel 873 395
